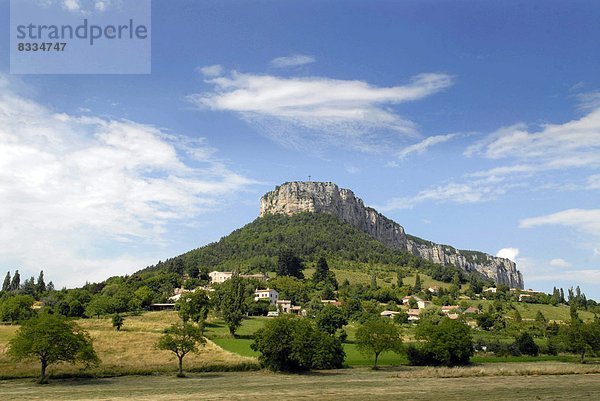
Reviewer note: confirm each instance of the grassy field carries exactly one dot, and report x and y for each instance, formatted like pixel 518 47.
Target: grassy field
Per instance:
pixel 129 351
pixel 528 382
pixel 132 350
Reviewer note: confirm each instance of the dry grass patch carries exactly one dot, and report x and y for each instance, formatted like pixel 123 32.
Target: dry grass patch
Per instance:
pixel 500 369
pixel 129 351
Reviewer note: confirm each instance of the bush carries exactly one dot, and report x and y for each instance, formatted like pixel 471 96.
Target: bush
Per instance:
pixel 525 344
pixel 448 343
pixel 292 344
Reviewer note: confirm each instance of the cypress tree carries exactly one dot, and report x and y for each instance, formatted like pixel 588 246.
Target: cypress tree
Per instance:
pixel 41 285
pixel 6 284
pixel 16 281
pixel 418 283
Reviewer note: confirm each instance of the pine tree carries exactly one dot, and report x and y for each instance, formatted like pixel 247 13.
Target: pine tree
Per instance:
pixel 322 271
pixel 6 284
pixel 289 264
pixel 399 282
pixel 562 296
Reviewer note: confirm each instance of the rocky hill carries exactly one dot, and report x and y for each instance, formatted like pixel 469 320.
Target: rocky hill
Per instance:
pixel 326 197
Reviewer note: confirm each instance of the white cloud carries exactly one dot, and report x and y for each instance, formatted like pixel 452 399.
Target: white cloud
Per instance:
pixel 574 144
pixel 76 187
pixel 421 147
pixel 71 5
pixel 584 220
pixel 294 60
pixel 560 263
pixel 211 70
pixel 588 100
pixel 305 112
pixel 508 253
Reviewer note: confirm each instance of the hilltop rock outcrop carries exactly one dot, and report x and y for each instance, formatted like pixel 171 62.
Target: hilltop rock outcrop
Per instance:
pixel 326 197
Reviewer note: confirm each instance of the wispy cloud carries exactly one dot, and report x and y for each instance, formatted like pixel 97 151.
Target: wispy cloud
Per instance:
pixel 210 70
pixel 560 263
pixel 584 220
pixel 72 186
pixel 295 60
pixel 424 145
pixel 588 100
pixel 462 193
pixel 574 144
pixel 304 112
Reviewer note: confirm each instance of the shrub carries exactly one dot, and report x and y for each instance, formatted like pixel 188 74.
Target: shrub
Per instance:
pixel 447 342
pixel 525 344
pixel 292 344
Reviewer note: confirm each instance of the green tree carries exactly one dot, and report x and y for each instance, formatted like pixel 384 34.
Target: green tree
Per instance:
pixel 321 271
pixel 289 264
pixel 330 319
pixel 100 305
pixel 16 308
pixel 447 342
pixel 580 337
pixel 525 344
pixel 399 277
pixel 475 283
pixel 290 344
pixel 418 284
pixel 6 283
pixel 291 288
pixel 193 306
pixel 41 284
pixel 232 302
pixel 29 287
pixel 52 339
pixel 181 339
pixel 376 336
pixel 145 295
pixel 15 284
pixel 117 321
pixel 373 281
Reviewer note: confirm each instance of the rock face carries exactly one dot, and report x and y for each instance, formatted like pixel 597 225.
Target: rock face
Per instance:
pixel 326 197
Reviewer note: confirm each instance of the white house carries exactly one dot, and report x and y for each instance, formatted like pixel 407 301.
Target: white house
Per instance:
pixel 269 294
pixel 219 277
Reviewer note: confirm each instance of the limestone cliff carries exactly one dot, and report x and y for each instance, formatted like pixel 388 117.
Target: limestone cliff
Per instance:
pixel 326 197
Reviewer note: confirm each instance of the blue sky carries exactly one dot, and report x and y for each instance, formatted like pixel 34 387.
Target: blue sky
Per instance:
pixel 475 124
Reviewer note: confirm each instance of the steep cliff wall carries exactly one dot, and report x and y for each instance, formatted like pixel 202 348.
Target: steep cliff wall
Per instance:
pixel 326 197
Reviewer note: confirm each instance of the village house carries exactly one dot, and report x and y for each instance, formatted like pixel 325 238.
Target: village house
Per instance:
pixel 333 302
pixel 447 309
pixel 269 294
pixel 217 277
pixel 389 313
pixel 284 306
pixel 434 289
pixel 413 314
pixel 471 309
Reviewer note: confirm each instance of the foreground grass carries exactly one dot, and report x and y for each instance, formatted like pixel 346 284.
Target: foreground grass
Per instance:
pixel 129 351
pixel 540 381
